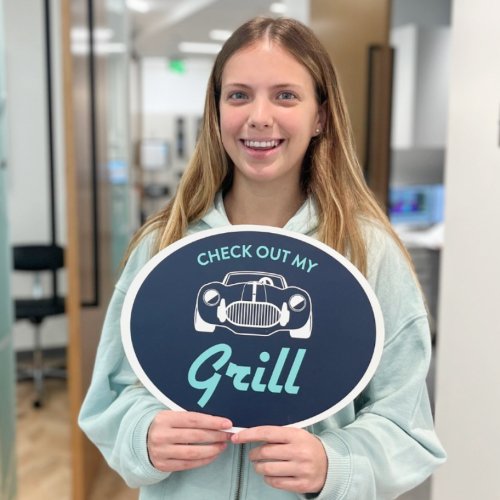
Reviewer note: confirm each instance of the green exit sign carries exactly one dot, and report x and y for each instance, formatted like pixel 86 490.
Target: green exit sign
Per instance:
pixel 177 66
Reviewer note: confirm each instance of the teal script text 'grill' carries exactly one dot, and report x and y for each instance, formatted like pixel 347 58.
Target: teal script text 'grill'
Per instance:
pixel 245 378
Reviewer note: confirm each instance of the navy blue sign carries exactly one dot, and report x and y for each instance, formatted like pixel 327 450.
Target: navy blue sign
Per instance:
pixel 260 325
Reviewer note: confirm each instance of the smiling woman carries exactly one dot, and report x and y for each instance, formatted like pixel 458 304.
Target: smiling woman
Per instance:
pixel 275 148
pixel 268 115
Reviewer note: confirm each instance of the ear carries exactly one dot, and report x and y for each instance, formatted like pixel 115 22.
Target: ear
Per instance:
pixel 321 119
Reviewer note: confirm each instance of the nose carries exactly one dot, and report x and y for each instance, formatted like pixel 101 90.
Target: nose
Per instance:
pixel 260 116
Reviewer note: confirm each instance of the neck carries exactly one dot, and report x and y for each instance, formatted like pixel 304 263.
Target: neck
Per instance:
pixel 261 206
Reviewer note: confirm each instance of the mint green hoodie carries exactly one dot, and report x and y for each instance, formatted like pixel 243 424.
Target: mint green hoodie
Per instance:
pixel 378 447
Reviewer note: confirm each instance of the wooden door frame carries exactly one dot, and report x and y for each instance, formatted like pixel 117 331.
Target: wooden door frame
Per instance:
pixel 85 458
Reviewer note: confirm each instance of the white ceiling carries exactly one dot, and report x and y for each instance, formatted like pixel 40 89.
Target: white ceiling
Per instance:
pixel 157 33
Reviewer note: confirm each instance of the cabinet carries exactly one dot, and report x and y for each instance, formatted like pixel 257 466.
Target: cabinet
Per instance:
pixel 427 265
pixel 421 79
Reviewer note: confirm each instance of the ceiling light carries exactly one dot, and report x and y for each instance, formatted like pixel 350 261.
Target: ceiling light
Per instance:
pixel 200 48
pixel 139 5
pixel 100 34
pixel 101 48
pixel 111 48
pixel 220 35
pixel 278 8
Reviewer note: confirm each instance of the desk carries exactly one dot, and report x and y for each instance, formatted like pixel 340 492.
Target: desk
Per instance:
pixel 424 246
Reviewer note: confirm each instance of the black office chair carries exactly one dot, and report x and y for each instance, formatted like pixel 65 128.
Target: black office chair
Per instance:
pixel 39 259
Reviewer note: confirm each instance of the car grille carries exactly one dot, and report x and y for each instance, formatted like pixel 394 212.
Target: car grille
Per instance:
pixel 258 314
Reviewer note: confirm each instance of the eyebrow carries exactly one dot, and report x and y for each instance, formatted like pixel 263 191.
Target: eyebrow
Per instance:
pixel 277 86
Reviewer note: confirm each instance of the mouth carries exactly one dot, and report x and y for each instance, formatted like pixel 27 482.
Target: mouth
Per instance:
pixel 262 145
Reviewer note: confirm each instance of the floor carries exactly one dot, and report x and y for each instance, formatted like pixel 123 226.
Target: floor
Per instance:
pixel 43 453
pixel 43 449
pixel 42 438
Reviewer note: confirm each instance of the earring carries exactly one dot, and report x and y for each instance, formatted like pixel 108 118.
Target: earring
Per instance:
pixel 318 130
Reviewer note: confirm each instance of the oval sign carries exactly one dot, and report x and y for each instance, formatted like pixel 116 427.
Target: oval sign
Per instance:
pixel 260 325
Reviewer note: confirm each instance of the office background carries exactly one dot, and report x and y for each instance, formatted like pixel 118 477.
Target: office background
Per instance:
pixel 120 144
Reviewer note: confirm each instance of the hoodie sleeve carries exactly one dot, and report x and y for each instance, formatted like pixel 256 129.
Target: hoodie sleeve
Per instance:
pixel 117 409
pixel 390 447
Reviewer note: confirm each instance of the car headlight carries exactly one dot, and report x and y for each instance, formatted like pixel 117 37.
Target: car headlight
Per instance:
pixel 211 297
pixel 297 302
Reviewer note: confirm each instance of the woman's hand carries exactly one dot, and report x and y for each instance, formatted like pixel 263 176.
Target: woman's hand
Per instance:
pixel 290 459
pixel 180 440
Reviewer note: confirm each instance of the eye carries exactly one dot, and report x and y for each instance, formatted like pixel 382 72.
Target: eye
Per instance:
pixel 237 96
pixel 286 96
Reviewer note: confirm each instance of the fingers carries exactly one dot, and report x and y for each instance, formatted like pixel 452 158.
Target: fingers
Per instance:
pixel 275 468
pixel 194 420
pixel 290 459
pixel 265 433
pixel 186 440
pixel 179 465
pixel 189 428
pixel 186 436
pixel 269 452
pixel 172 458
pixel 295 484
pixel 290 475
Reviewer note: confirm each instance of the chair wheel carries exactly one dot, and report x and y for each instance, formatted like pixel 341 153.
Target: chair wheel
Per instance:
pixel 37 404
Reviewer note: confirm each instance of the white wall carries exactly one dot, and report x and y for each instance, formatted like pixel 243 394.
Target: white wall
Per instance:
pixel 298 9
pixel 421 80
pixel 26 99
pixel 405 43
pixel 468 367
pixel 167 95
pixel 165 91
pixel 432 89
pixel 27 143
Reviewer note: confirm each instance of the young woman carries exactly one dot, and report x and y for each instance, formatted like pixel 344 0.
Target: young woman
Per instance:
pixel 275 149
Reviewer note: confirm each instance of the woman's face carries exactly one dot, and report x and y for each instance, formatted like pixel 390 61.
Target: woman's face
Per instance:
pixel 268 114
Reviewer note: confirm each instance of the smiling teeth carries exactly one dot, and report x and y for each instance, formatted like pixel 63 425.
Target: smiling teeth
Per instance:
pixel 262 144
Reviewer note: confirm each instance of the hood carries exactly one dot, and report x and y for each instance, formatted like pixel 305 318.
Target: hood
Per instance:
pixel 305 220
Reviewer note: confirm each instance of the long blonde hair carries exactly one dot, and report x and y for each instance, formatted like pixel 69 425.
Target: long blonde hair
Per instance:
pixel 331 173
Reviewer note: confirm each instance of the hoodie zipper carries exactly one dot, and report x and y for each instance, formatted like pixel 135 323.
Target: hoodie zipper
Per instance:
pixel 239 471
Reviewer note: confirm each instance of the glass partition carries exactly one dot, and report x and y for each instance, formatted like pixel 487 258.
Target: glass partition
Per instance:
pixel 7 405
pixel 118 137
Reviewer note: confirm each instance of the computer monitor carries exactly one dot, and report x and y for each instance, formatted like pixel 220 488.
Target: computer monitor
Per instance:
pixel 421 205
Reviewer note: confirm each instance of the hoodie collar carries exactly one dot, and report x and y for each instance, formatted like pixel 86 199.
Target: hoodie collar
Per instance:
pixel 305 220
